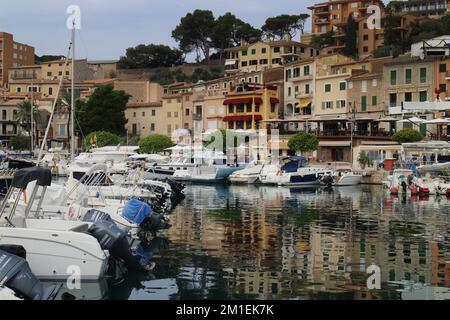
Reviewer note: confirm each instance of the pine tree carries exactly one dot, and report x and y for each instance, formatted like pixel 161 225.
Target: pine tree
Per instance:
pixel 351 49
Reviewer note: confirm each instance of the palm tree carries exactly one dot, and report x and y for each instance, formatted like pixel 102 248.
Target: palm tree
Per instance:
pixel 23 115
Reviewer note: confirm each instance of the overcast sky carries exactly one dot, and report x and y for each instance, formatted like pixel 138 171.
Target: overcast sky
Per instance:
pixel 108 27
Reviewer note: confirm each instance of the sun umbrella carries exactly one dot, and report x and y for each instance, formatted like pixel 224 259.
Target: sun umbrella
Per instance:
pixel 439 121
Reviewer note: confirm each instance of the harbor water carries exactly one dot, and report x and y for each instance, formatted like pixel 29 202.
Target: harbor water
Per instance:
pixel 259 242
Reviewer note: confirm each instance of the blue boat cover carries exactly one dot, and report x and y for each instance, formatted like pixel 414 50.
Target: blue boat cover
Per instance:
pixel 136 211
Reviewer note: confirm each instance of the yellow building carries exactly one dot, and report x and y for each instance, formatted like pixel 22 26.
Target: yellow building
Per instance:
pixel 260 56
pixel 54 70
pixel 248 105
pixel 13 54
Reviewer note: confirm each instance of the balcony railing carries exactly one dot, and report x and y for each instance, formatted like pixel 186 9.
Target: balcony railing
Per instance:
pixel 348 133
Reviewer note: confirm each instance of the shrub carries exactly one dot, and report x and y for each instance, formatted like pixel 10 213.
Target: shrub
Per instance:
pixel 154 143
pixel 303 142
pixel 407 135
pixel 100 139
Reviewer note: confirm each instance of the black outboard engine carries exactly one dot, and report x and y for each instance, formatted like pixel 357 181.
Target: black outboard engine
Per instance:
pixel 115 240
pixel 16 275
pixel 328 180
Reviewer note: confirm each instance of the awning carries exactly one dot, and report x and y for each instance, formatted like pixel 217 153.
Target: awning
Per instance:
pixel 334 143
pixel 237 118
pixel 274 100
pixel 305 103
pixel 230 62
pixel 237 101
pixel 258 100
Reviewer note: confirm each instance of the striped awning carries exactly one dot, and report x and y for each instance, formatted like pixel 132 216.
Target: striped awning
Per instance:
pixel 305 103
pixel 237 101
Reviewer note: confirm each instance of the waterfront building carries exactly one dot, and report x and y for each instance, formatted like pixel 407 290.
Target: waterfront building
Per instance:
pixel 9 126
pixel 13 54
pixel 54 70
pixel 263 55
pixel 248 104
pixel 409 79
pixel 171 118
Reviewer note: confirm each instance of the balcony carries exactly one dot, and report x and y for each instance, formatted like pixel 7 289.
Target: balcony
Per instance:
pixel 379 134
pixel 321 21
pixel 29 76
pixel 197 116
pixel 303 94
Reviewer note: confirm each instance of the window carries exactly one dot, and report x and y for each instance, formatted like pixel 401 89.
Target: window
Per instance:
pixel 374 83
pixel 50 91
pixel 253 62
pixel 374 100
pixel 272 108
pixel 152 127
pixel 408 96
pixel 231 108
pixel 263 50
pixel 365 37
pixel 306 70
pixel 49 74
pixel 175 114
pixel 256 79
pixel 143 114
pixel 442 87
pixel 187 112
pixel 62 129
pixel 288 74
pixel 365 49
pixel 328 87
pixel 363 103
pixel 276 61
pixel 134 114
pixel 364 86
pixel 253 51
pixel 442 67
pixel 256 107
pixel 306 88
pixel 276 49
pixel 230 125
pixel 393 77
pixel 60 73
pixel 249 107
pixel 327 105
pixel 340 104
pixel 67 73
pixel 18 89
pixel 408 76
pixel 154 112
pixel 244 52
pixel 350 84
pixel 186 98
pixel 296 72
pixel 393 99
pixel 169 129
pixel 134 129
pixel 423 96
pixel 423 75
pixel 342 86
pixel 263 61
pixel 244 63
pixel 289 91
pixel 169 114
pixel 240 108
pixel 3 114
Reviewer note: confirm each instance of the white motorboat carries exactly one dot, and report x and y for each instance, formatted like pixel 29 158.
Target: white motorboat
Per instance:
pixel 248 175
pixel 54 248
pixel 342 177
pixel 295 172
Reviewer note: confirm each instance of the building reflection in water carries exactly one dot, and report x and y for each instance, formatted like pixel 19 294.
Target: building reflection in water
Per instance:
pixel 281 243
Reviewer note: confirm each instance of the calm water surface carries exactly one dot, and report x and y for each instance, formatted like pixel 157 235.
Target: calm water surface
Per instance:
pixel 247 242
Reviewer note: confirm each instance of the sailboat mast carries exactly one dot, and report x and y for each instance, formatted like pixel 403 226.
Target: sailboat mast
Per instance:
pixel 72 107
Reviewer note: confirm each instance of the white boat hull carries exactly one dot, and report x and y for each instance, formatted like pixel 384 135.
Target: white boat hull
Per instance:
pixel 56 254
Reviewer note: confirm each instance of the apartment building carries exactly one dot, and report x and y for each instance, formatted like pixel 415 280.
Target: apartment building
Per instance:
pixel 54 70
pixel 9 126
pixel 298 93
pixel 260 56
pixel 144 106
pixel 326 16
pixel 423 8
pixel 368 39
pixel 13 54
pixel 408 79
pixel 249 104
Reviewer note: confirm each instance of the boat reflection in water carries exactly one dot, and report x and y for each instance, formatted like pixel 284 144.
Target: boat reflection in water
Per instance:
pixel 248 242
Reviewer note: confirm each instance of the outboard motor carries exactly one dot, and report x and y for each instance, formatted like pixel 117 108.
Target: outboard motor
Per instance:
pixel 328 180
pixel 113 239
pixel 140 212
pixel 16 275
